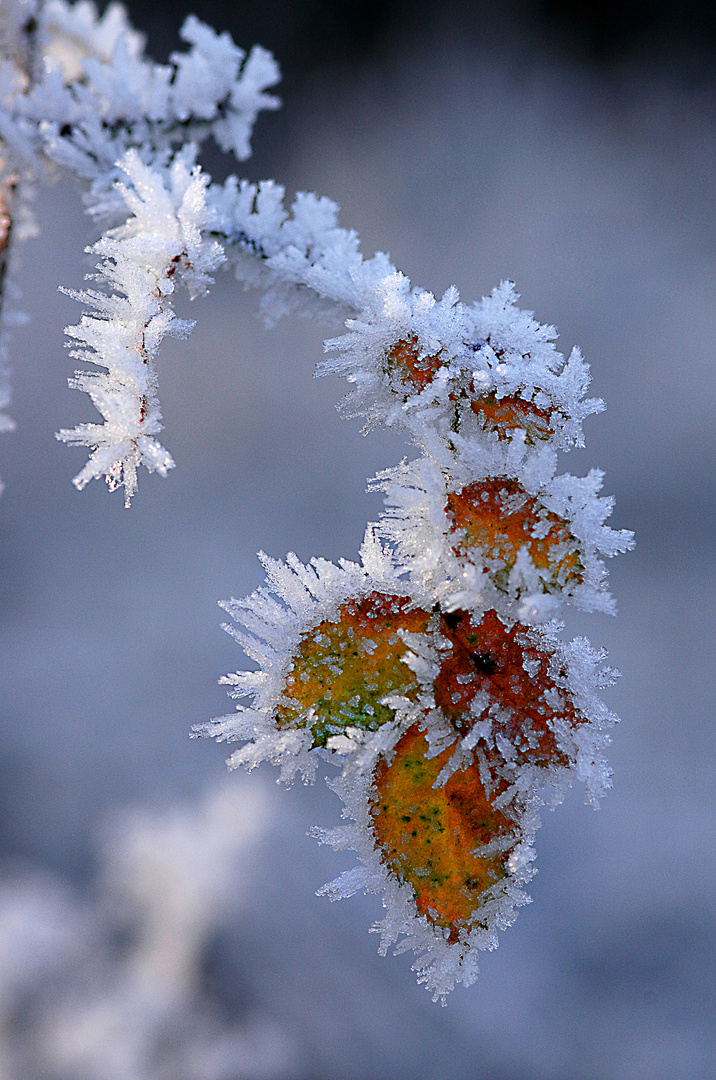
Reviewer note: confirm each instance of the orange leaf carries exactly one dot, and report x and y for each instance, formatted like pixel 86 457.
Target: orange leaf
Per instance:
pixel 507 414
pixel 427 836
pixel 413 371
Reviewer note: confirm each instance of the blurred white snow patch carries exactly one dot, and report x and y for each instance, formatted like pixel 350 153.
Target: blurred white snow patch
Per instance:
pixel 126 1037
pixel 175 873
pixel 40 923
pixel 113 987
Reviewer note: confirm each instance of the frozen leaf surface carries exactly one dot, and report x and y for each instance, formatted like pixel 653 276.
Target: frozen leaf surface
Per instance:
pixel 447 842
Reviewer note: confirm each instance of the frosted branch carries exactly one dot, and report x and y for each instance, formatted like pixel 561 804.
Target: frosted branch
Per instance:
pixel 141 261
pixel 18 49
pixel 431 673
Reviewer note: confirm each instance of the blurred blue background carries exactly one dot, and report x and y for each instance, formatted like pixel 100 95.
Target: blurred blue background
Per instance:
pixel 570 148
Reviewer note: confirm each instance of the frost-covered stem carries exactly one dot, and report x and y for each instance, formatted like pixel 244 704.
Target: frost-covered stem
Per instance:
pixel 126 396
pixel 98 97
pixel 7 187
pixel 19 23
pixel 101 110
pixel 6 224
pixel 159 244
pixel 432 673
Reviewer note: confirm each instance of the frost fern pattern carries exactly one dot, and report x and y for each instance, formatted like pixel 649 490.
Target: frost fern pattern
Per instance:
pixel 431 674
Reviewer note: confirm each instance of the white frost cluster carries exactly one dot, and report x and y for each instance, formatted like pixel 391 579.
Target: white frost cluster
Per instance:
pixel 442 641
pixel 299 598
pixel 77 92
pixel 160 244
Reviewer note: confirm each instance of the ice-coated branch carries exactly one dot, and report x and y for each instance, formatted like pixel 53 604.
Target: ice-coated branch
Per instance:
pixel 6 225
pixel 97 96
pixel 98 108
pixel 431 673
pixel 413 361
pixel 161 243
pixel 18 63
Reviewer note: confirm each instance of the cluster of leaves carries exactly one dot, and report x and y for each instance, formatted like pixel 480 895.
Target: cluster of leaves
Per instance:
pixel 432 672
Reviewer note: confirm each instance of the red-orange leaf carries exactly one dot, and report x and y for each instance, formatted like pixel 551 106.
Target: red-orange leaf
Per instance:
pixel 497 517
pixel 413 370
pixel 515 673
pixel 511 413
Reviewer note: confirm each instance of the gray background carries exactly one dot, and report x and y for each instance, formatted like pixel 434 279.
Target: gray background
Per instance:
pixel 470 158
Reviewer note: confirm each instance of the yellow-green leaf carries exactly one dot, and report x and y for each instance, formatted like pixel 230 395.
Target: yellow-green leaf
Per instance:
pixel 344 667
